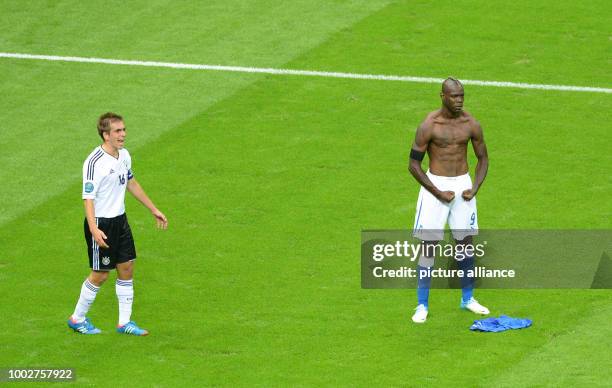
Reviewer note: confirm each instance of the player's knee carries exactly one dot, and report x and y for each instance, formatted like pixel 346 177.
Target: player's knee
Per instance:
pixel 466 240
pixel 426 262
pixel 125 271
pixel 98 277
pixel 429 251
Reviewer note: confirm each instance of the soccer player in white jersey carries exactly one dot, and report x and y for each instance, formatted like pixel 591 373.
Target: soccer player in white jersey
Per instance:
pixel 447 192
pixel 107 173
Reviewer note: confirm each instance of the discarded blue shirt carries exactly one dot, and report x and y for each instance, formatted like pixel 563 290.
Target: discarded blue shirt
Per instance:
pixel 502 323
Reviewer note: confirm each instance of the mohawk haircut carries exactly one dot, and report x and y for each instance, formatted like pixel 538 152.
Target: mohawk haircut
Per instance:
pixel 449 80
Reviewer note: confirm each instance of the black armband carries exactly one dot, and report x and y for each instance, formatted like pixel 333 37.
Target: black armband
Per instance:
pixel 417 155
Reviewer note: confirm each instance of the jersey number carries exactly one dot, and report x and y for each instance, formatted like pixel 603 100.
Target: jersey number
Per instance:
pixel 122 179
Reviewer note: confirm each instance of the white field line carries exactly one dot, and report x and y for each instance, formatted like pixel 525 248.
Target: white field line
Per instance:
pixel 243 69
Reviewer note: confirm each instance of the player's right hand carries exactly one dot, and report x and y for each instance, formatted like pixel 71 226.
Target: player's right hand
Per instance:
pixel 99 237
pixel 446 196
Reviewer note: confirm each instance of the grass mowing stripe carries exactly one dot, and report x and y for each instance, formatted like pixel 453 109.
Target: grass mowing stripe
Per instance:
pixel 152 105
pixel 568 359
pixel 311 73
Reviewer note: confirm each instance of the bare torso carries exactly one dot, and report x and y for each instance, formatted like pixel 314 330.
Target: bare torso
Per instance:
pixel 448 144
pixel 445 135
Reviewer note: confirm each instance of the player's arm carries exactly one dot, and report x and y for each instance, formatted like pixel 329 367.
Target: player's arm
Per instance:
pixel 417 153
pixel 480 149
pixel 136 190
pixel 91 181
pixel 90 214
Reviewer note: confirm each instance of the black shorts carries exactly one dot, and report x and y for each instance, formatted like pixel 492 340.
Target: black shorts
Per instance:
pixel 119 240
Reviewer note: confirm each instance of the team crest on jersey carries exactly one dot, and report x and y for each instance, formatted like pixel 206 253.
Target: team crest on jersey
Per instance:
pixel 89 187
pixel 106 260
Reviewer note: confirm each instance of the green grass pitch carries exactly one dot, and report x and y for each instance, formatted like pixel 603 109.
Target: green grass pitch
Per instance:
pixel 268 180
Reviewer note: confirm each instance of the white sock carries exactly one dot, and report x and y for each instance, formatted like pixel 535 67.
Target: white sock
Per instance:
pixel 87 297
pixel 125 296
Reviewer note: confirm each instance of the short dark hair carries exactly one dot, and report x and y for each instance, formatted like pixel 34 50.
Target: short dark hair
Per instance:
pixel 105 120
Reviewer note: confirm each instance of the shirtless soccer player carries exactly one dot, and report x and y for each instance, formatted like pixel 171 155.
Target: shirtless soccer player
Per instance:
pixel 447 192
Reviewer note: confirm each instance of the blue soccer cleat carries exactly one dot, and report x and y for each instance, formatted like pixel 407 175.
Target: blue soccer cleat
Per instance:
pixel 85 327
pixel 132 328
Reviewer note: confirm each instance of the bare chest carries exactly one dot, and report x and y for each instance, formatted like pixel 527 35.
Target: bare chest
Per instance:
pixel 449 134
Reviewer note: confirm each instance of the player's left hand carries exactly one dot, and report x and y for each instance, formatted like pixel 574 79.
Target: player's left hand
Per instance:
pixel 468 194
pixel 160 218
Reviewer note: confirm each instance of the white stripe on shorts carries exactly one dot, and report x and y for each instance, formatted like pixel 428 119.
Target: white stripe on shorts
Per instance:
pixel 96 252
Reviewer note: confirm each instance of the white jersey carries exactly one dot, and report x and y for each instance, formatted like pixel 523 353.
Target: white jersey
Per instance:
pixel 105 180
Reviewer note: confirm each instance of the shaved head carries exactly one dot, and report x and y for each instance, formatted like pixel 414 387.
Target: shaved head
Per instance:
pixel 452 96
